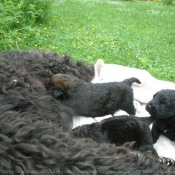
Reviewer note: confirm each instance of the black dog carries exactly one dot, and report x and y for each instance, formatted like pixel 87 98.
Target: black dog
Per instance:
pixel 93 100
pixel 35 127
pixel 162 108
pixel 24 77
pixel 118 130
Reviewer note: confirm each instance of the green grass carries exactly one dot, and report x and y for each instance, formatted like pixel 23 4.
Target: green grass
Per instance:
pixel 135 34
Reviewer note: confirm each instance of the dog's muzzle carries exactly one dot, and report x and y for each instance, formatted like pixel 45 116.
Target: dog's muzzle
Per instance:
pixel 151 109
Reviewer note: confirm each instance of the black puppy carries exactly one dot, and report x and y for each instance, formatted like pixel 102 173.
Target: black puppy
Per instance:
pixel 118 130
pixel 88 99
pixel 162 108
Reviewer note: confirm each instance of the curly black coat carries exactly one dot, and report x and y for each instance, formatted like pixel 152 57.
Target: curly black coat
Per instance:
pixel 97 99
pixel 44 64
pixel 34 127
pixel 24 77
pixel 162 108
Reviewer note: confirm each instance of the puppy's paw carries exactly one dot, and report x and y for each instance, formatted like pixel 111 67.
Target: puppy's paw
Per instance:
pixel 167 161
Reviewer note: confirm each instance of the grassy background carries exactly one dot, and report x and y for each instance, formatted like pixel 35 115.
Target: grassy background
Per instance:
pixel 137 34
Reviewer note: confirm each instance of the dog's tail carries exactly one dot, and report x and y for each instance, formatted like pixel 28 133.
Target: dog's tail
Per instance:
pixel 132 80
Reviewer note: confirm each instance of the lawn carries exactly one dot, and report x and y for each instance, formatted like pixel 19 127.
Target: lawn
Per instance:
pixel 137 34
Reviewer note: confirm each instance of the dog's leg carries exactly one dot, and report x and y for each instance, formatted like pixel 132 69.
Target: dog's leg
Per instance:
pixel 144 139
pixel 129 108
pixel 127 103
pixel 156 131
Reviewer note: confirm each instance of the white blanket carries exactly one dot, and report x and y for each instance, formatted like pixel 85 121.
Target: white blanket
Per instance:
pixel 142 94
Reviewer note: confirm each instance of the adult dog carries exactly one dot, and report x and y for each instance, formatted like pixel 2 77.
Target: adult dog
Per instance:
pixel 34 127
pixel 24 77
pixel 119 130
pixel 92 100
pixel 162 108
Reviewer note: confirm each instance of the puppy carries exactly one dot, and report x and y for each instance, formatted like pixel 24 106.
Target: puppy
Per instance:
pixel 119 130
pixel 162 108
pixel 92 100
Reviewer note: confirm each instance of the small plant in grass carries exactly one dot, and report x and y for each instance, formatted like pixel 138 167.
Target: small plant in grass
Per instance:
pixel 21 13
pixel 26 24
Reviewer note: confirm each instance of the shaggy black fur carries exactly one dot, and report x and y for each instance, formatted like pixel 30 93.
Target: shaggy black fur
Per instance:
pixel 40 147
pixel 95 99
pixel 118 130
pixel 44 64
pixel 24 76
pixel 162 108
pixel 34 137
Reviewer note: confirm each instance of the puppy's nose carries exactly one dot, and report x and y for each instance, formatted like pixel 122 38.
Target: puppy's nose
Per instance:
pixel 148 107
pixel 57 93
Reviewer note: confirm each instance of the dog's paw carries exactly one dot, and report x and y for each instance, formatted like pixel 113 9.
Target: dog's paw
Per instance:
pixel 167 161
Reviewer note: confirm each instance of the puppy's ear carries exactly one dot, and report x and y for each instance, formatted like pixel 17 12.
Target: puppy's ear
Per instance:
pixel 154 95
pixel 173 103
pixel 59 94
